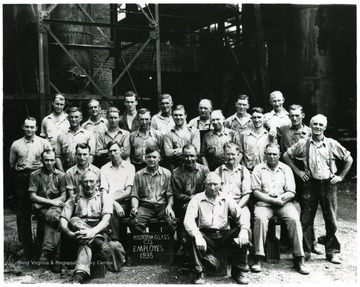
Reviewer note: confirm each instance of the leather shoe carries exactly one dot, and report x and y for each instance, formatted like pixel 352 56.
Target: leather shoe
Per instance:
pixel 256 267
pixel 79 277
pixel 307 256
pixel 244 268
pixel 199 278
pixel 316 250
pixel 239 277
pixel 333 258
pixel 300 266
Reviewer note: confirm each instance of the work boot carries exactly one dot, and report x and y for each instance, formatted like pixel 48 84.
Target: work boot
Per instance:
pixel 316 250
pixel 299 265
pixel 239 277
pixel 199 278
pixel 79 277
pixel 333 258
pixel 256 267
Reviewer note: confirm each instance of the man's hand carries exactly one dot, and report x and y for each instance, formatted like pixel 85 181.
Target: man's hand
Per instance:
pixel 243 237
pixel 286 196
pixel 84 236
pixel 118 209
pixel 303 175
pixel 336 179
pixel 272 133
pixel 57 202
pixel 133 212
pixel 200 243
pixel 278 201
pixel 169 212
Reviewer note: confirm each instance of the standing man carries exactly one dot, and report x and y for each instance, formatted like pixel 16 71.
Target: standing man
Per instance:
pixel 74 173
pixel 117 177
pixel 253 142
pixel 273 186
pixel 95 124
pixel 187 180
pixel 143 138
pixel 163 121
pixel 179 135
pixel 241 120
pixel 278 117
pixel 129 120
pixel 207 222
pixel 85 219
pixel 25 157
pixel 55 123
pixel 203 122
pixel 114 133
pixel 320 183
pixel 66 142
pixel 48 194
pixel 151 195
pixel 212 151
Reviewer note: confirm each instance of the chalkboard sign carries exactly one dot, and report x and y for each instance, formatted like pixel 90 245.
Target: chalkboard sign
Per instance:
pixel 154 248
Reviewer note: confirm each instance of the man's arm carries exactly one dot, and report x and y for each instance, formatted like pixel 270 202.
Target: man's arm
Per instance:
pixel 169 150
pixel 302 174
pixel 347 165
pixel 59 201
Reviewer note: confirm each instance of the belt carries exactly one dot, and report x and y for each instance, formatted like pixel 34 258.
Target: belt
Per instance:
pixel 321 180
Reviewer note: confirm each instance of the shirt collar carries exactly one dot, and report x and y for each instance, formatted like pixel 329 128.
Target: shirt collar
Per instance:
pixel 196 167
pixel 81 130
pixel 219 199
pixel 77 169
pixel 237 168
pixel 149 133
pixel 235 117
pixel 265 166
pixel 159 171
pixel 251 131
pixel 323 142
pixel 63 118
pixel 29 141
pixel 121 164
pixel 223 132
pixel 282 114
pixel 120 131
pixel 42 172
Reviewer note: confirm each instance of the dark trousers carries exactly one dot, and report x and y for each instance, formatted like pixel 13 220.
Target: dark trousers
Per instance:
pixel 147 211
pixel 23 209
pixel 315 191
pixel 220 240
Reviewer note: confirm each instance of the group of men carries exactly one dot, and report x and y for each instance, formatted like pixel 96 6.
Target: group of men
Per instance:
pixel 210 175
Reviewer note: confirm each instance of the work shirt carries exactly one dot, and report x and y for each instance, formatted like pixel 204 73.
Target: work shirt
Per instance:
pixel 273 183
pixel 123 124
pixel 139 143
pixel 273 120
pixel 204 214
pixel 26 154
pixel 320 163
pixel 115 180
pixel 201 126
pixel 48 186
pixel 236 182
pixel 73 175
pixel 51 129
pixel 252 146
pixel 90 209
pixel 290 135
pixel 233 122
pixel 97 128
pixel 213 146
pixel 152 188
pixel 67 142
pixel 187 183
pixel 174 142
pixel 122 137
pixel 162 124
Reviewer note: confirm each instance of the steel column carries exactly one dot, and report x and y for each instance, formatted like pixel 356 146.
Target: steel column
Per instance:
pixel 158 51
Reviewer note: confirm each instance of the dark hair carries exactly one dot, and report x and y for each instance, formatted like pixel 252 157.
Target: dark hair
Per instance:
pixel 112 110
pixel 273 145
pixel 48 151
pixel 257 110
pixel 165 96
pixel 179 108
pixel 129 94
pixel 30 119
pixel 143 111
pixel 243 97
pixel 83 146
pixel 74 109
pixel 231 145
pixel 149 150
pixel 111 143
pixel 296 107
pixel 189 146
pixel 59 96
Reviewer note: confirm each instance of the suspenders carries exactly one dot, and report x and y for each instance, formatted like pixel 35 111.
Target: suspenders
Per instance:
pixel 307 155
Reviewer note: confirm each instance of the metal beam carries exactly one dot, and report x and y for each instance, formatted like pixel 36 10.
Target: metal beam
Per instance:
pixel 85 46
pixel 158 52
pixel 41 60
pixel 50 97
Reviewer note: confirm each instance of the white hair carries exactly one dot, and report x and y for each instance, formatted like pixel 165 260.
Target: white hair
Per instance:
pixel 319 117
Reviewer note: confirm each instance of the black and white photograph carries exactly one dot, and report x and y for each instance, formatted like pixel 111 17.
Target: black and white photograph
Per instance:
pixel 179 143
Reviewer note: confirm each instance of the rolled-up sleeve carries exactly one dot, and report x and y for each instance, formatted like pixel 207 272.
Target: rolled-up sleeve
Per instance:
pixel 191 215
pixel 135 188
pixel 256 179
pixel 289 180
pixel 68 209
pixel 246 182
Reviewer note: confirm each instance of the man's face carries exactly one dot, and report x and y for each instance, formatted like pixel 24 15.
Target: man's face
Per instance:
pixel 145 121
pixel 189 157
pixel 48 160
pixel 113 119
pixel 217 121
pixel 94 109
pixel 179 117
pixel 166 105
pixel 152 159
pixel 114 153
pixel 58 106
pixel 257 119
pixel 29 128
pixel 130 103
pixel 82 156
pixel 272 156
pixel 318 126
pixel 89 184
pixel 231 156
pixel 204 110
pixel 242 106
pixel 296 117
pixel 212 185
pixel 75 119
pixel 277 101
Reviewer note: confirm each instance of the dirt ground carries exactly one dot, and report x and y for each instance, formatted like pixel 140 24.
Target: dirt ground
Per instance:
pixel 322 272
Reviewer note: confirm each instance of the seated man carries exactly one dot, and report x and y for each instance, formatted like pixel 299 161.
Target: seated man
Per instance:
pixel 207 222
pixel 85 219
pixel 151 195
pixel 273 185
pixel 48 194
